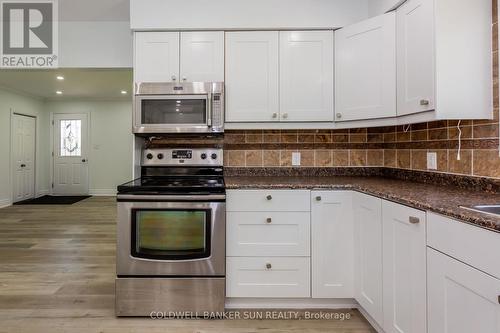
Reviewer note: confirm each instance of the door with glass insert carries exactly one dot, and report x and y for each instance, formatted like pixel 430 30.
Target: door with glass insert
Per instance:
pixel 70 154
pixel 171 234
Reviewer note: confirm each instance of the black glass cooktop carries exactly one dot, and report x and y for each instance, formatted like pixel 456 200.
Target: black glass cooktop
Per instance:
pixel 175 185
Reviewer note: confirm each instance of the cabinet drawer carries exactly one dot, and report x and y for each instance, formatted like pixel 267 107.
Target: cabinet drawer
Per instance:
pixel 267 234
pixel 268 277
pixel 467 243
pixel 267 201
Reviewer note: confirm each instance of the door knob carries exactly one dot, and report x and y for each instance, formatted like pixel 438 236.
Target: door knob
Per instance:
pixel 268 266
pixel 269 220
pixel 269 197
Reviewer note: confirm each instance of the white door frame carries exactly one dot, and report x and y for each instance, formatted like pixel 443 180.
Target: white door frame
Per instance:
pixel 51 153
pixel 11 153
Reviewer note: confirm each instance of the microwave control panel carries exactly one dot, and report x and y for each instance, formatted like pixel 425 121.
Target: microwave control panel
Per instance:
pixel 217 114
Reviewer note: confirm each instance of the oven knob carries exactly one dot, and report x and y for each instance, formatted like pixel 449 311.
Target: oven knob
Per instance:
pixel 214 156
pixel 149 156
pixel 203 156
pixel 160 156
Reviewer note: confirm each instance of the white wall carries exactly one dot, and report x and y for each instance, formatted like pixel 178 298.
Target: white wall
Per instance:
pixel 110 157
pixel 95 45
pixel 14 102
pixel 245 14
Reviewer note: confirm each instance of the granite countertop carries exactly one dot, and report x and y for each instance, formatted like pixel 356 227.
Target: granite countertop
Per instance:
pixel 445 200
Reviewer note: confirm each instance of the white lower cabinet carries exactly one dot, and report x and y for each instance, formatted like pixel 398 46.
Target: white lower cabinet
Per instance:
pixel 404 269
pixel 278 277
pixel 368 254
pixel 461 299
pixel 332 244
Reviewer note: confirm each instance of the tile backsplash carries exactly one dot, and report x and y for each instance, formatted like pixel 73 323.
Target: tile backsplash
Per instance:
pixel 403 147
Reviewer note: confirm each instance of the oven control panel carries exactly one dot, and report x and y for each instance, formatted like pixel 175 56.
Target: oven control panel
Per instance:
pixel 178 157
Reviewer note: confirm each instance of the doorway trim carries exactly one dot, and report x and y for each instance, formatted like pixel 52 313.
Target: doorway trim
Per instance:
pixel 36 193
pixel 52 143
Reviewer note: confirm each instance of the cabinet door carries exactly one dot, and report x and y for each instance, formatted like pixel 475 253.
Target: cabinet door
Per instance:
pixel 415 57
pixel 202 56
pixel 368 254
pixel 365 69
pixel 332 243
pixel 404 269
pixel 252 76
pixel 306 76
pixel 156 56
pixel 461 299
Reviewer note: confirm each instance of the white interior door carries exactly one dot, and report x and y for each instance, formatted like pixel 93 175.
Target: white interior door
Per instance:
pixel 70 154
pixel 23 153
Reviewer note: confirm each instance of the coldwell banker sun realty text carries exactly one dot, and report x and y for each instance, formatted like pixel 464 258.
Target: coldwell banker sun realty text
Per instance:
pixel 29 37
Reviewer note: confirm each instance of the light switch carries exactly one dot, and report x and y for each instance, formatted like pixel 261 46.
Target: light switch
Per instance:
pixel 432 161
pixel 295 159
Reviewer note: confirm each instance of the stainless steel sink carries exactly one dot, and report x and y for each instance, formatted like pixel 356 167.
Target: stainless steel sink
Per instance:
pixel 488 209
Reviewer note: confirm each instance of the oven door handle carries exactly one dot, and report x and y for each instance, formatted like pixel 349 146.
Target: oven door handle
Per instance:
pixel 138 197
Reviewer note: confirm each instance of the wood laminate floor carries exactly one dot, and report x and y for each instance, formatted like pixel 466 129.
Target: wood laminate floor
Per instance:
pixel 57 270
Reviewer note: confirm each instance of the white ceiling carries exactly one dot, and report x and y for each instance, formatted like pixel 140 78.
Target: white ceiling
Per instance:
pixel 94 10
pixel 77 83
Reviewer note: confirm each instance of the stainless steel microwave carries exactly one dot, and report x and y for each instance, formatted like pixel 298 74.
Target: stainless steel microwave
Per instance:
pixel 194 107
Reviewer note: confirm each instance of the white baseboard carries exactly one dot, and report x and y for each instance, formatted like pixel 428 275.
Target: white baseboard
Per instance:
pixel 5 203
pixel 99 192
pixel 290 303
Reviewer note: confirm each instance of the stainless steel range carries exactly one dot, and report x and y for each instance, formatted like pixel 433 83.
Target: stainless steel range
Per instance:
pixel 171 234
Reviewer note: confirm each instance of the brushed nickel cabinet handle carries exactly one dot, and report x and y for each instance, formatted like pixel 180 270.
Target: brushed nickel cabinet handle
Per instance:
pixel 424 102
pixel 269 220
pixel 339 115
pixel 285 115
pixel 414 220
pixel 269 197
pixel 318 198
pixel 268 266
pixel 275 115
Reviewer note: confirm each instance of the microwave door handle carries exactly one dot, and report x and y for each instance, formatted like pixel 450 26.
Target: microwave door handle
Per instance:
pixel 209 110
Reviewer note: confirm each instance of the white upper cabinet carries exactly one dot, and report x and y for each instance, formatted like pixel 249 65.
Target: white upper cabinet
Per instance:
pixel 156 56
pixel 404 269
pixel 444 58
pixel 306 76
pixel 332 242
pixel 415 57
pixel 179 57
pixel 368 254
pixel 365 69
pixel 252 76
pixel 202 56
pixel 461 299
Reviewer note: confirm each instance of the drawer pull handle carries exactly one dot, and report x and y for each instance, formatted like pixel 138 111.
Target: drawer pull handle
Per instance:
pixel 269 220
pixel 318 198
pixel 269 197
pixel 268 266
pixel 414 220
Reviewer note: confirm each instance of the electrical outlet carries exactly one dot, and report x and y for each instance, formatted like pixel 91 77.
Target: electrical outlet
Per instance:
pixel 432 161
pixel 296 159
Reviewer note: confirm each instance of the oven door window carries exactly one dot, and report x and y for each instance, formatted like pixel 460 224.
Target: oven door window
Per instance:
pixel 176 111
pixel 171 234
